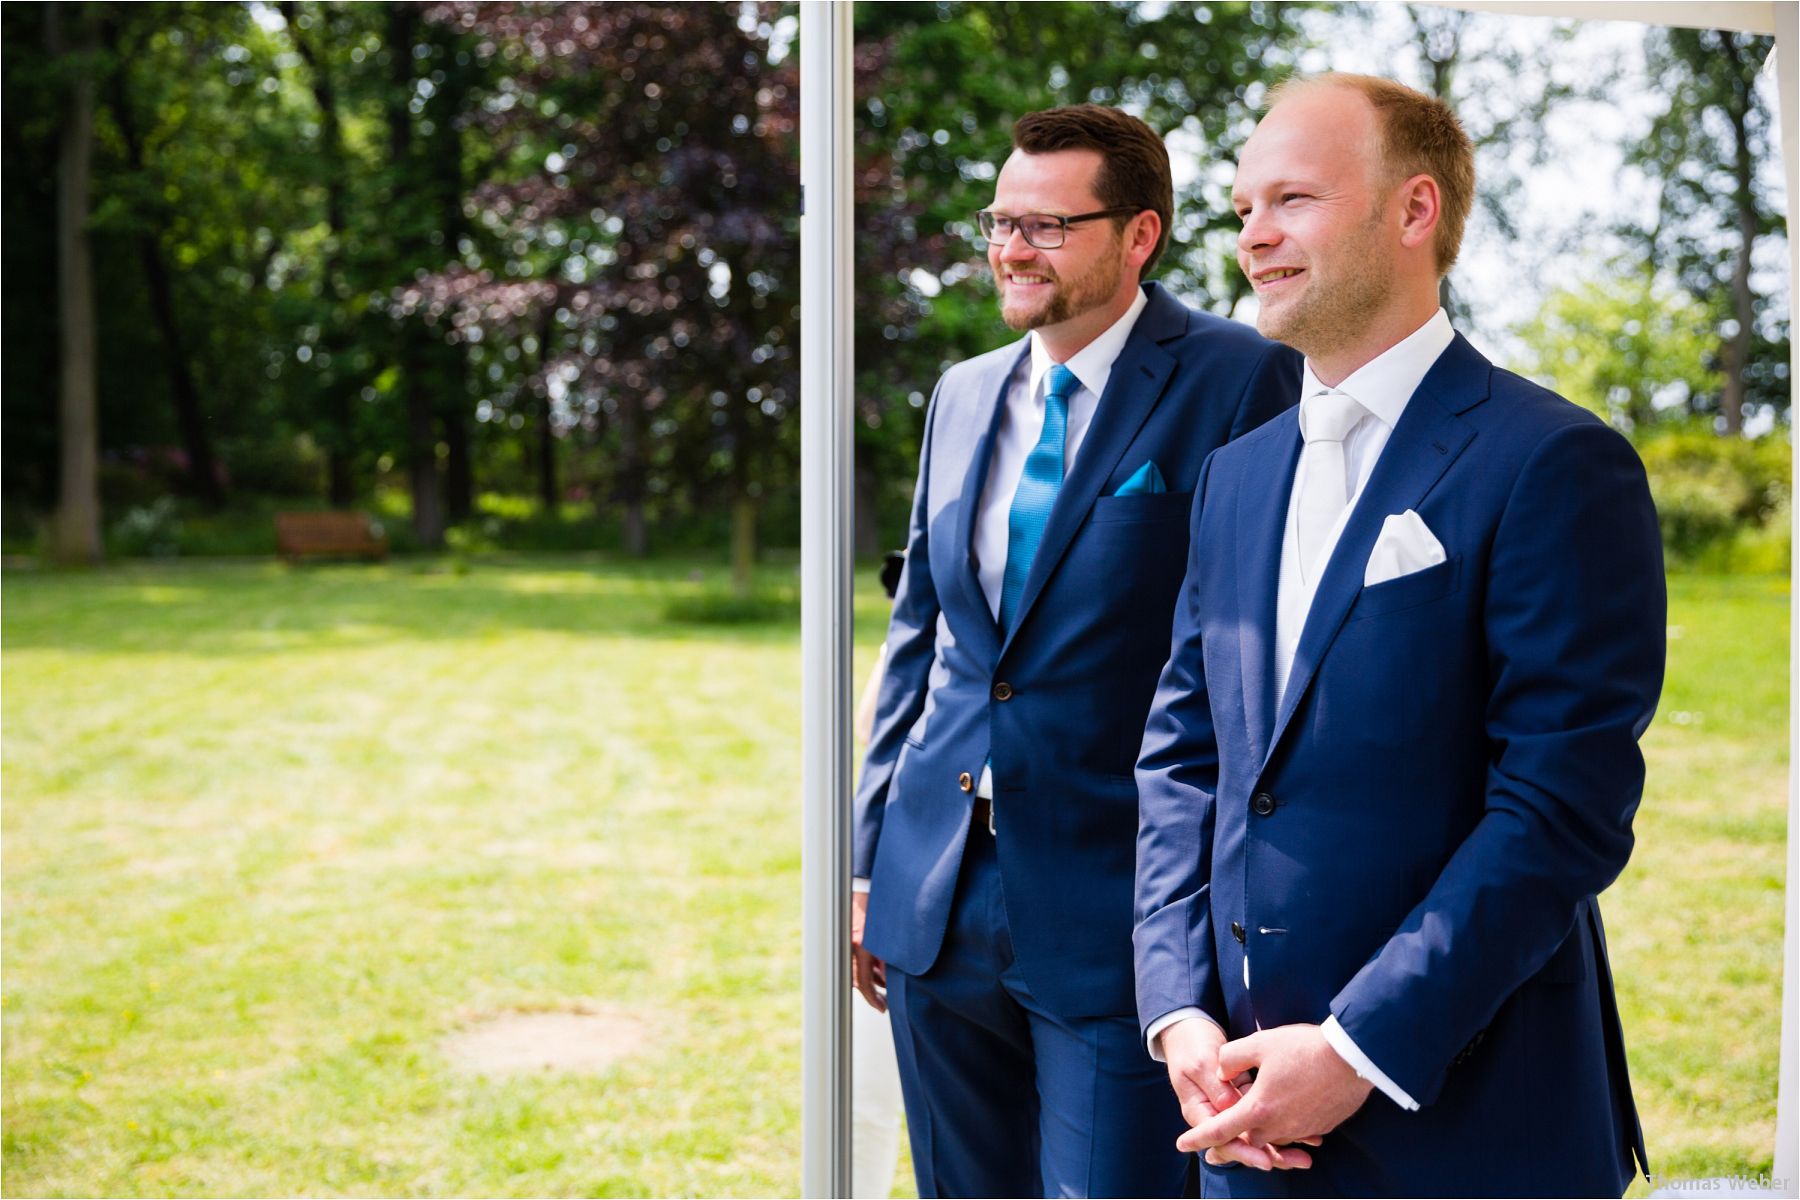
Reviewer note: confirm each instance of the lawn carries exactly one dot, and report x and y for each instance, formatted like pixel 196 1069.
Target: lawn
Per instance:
pixel 273 837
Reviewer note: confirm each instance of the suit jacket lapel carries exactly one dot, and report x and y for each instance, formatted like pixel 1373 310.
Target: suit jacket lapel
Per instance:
pixel 1132 390
pixel 992 393
pixel 1261 526
pixel 1427 440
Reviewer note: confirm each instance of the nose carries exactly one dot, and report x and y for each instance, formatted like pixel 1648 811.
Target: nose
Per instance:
pixel 1015 248
pixel 1258 233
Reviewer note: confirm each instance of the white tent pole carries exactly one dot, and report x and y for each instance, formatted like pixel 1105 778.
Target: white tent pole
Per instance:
pixel 826 449
pixel 1787 1124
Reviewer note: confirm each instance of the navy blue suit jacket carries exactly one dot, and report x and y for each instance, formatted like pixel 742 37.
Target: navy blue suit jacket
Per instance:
pixel 1413 836
pixel 1080 662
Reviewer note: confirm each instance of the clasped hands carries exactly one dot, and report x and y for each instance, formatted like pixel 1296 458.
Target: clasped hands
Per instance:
pixel 1302 1090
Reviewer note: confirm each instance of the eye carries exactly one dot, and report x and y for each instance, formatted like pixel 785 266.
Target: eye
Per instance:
pixel 1288 197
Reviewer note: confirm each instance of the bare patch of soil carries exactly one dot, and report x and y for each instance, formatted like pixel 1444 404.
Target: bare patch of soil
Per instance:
pixel 515 1043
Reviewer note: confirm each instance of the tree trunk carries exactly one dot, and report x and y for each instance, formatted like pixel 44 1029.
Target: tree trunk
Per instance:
pixel 339 413
pixel 868 524
pixel 412 350
pixel 743 544
pixel 421 441
pixel 202 465
pixel 1736 356
pixel 548 492
pixel 459 470
pixel 75 535
pixel 635 533
pixel 444 154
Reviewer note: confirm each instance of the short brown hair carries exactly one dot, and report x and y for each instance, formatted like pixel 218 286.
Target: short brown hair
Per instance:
pixel 1420 135
pixel 1134 163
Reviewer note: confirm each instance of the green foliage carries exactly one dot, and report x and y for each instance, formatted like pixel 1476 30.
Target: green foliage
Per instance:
pixel 1625 346
pixel 152 531
pixel 1710 153
pixel 1723 502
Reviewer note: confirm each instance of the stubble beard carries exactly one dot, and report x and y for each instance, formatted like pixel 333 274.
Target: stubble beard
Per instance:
pixel 1335 307
pixel 1082 294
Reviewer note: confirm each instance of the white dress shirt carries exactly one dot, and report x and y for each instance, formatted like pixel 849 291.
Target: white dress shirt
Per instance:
pixel 1383 386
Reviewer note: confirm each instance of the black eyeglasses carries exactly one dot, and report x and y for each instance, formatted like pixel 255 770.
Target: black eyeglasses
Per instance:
pixel 1046 231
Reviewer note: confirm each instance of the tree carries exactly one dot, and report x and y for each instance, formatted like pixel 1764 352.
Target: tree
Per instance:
pixel 1629 347
pixel 645 206
pixel 148 231
pixel 1703 151
pixel 338 382
pixel 72 42
pixel 1469 64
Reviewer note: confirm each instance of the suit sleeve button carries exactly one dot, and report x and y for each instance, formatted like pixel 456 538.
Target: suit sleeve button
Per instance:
pixel 1262 804
pixel 1003 691
pixel 966 782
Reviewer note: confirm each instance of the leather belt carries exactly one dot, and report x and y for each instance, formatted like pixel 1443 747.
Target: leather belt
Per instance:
pixel 983 817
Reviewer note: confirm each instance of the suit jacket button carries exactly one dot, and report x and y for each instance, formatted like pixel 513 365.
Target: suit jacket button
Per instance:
pixel 1237 931
pixel 1262 804
pixel 1003 691
pixel 966 782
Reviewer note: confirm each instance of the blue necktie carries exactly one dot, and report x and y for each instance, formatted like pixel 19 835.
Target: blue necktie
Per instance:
pixel 1037 492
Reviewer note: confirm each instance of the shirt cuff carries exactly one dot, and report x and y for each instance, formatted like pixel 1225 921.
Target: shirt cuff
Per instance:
pixel 1163 1022
pixel 1339 1040
pixel 860 886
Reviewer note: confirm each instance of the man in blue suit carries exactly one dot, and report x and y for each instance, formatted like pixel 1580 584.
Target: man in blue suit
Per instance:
pixel 996 813
pixel 1393 758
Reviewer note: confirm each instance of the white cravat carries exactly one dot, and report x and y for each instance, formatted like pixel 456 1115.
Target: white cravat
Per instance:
pixel 1322 481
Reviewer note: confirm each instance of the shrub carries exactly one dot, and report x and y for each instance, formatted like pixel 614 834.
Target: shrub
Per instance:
pixel 723 608
pixel 147 530
pixel 1720 499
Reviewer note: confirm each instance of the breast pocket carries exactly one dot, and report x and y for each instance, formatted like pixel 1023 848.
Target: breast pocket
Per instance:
pixel 1158 506
pixel 1409 591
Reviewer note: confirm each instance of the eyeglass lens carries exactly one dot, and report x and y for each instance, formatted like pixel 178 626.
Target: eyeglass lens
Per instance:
pixel 1042 231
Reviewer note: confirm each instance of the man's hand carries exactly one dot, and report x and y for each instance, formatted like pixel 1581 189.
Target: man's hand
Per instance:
pixel 1303 1090
pixel 866 971
pixel 1191 1048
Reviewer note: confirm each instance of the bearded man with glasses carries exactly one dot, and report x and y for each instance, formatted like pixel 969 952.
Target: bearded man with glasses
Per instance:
pixel 996 813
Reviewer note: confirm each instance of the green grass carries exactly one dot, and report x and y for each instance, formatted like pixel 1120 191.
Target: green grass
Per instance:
pixel 1695 922
pixel 270 836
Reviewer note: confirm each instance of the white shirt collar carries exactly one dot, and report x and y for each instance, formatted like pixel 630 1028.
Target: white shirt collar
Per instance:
pixel 1093 363
pixel 1386 382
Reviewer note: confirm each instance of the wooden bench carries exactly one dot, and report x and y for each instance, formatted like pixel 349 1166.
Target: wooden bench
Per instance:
pixel 301 535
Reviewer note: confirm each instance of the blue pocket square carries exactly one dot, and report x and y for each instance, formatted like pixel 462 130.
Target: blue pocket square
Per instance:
pixel 1146 481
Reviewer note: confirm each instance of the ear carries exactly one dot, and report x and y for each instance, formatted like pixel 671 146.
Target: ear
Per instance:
pixel 1140 237
pixel 1420 208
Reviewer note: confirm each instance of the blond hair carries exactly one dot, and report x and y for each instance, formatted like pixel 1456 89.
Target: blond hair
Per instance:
pixel 1420 135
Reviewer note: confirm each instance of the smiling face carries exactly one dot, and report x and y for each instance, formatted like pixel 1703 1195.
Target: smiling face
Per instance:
pixel 1319 243
pixel 1087 281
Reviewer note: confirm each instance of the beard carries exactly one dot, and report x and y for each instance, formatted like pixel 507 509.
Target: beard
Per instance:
pixel 1338 298
pixel 1087 291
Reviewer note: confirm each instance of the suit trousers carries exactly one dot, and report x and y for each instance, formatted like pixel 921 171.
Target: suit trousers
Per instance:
pixel 1004 1098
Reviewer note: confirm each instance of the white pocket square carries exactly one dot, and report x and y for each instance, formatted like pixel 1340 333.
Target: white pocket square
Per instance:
pixel 1405 546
